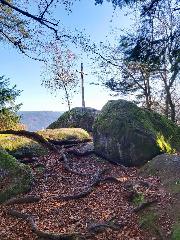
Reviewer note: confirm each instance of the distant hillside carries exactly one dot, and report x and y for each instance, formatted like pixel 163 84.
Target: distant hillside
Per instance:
pixel 37 120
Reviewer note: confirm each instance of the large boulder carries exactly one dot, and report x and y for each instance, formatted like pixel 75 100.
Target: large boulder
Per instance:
pixel 129 135
pixel 76 118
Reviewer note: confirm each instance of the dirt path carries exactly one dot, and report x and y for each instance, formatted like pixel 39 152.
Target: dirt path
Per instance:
pixel 105 213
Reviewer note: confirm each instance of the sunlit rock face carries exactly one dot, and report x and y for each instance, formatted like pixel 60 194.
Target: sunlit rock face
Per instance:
pixel 129 135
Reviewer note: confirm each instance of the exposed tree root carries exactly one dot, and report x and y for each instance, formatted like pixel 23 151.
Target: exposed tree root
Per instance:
pixel 80 154
pixel 32 135
pixel 28 161
pixel 68 142
pixel 111 179
pixel 97 179
pixel 21 200
pixel 144 205
pixel 43 234
pixel 101 227
pixel 93 228
pixel 76 196
pixel 67 165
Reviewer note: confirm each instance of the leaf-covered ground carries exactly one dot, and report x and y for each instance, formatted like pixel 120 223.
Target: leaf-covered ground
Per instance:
pixel 108 212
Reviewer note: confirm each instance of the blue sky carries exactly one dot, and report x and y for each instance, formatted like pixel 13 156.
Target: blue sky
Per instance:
pixel 98 21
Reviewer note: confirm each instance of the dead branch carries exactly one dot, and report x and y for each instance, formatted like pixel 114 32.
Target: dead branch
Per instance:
pixel 21 200
pixel 144 205
pixel 43 234
pixel 32 135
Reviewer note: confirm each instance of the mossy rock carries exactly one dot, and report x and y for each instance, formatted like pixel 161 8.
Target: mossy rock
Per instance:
pixel 65 134
pixel 129 135
pixel 76 118
pixel 15 178
pixel 21 147
pixel 167 168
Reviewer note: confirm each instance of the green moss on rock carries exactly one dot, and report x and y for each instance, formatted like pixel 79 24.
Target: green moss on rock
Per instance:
pixel 130 135
pixel 15 177
pixel 21 146
pixel 76 118
pixel 65 134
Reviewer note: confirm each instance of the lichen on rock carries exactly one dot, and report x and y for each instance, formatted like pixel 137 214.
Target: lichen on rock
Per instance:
pixel 129 135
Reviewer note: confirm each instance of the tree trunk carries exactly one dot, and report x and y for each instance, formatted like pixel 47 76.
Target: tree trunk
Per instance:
pixel 170 104
pixel 67 98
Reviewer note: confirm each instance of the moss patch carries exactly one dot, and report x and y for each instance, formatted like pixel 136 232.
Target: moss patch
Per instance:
pixel 138 199
pixel 21 146
pixel 65 134
pixel 16 178
pixel 176 232
pixel 149 221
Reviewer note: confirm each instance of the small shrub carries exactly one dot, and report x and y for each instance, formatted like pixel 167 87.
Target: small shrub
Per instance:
pixel 138 199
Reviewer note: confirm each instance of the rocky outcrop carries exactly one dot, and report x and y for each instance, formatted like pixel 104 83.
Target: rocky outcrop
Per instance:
pixel 76 118
pixel 129 135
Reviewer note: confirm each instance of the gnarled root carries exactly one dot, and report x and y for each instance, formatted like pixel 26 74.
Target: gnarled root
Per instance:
pixel 101 227
pixel 21 200
pixel 97 179
pixel 43 234
pixel 68 168
pixel 32 135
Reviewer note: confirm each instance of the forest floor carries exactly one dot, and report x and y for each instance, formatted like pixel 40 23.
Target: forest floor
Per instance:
pixel 84 197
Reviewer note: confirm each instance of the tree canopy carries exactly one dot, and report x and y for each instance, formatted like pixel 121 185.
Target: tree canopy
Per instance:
pixel 25 25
